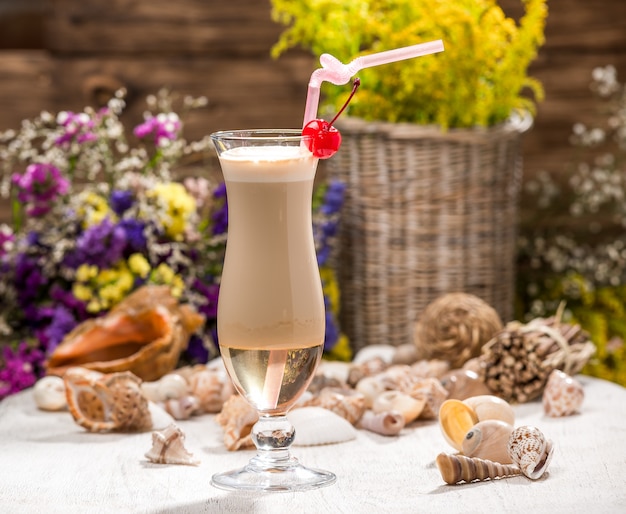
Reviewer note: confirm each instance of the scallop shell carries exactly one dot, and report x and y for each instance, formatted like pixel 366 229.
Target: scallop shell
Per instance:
pixel 237 418
pixel 530 450
pixel 456 419
pixel 383 423
pixel 316 426
pixel 457 469
pixel 409 407
pixel 168 448
pixel 144 334
pixel 463 383
pixel 343 401
pixel 488 440
pixel 563 395
pixel 103 403
pixel 488 406
pixel 49 393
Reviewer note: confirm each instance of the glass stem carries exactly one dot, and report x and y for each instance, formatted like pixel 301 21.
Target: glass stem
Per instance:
pixel 273 436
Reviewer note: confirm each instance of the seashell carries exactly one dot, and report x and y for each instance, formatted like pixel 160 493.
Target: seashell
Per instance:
pixel 409 407
pixel 405 354
pixel 463 383
pixel 103 403
pixel 334 370
pixel 237 418
pixel 316 426
pixel 183 407
pixel 398 377
pixel 167 387
pixel 370 388
pixel 563 395
pixel 168 448
pixel 49 393
pixel 383 423
pixel 160 417
pixel 488 406
pixel 343 401
pixel 211 387
pixel 488 440
pixel 382 352
pixel 364 369
pixel 425 368
pixel 530 450
pixel 456 469
pixel 455 420
pixel 430 390
pixel 144 334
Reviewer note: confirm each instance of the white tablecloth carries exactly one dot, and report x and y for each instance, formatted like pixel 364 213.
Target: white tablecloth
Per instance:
pixel 49 464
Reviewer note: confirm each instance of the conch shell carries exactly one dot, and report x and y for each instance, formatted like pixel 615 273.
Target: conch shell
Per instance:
pixel 104 403
pixel 530 450
pixel 168 447
pixel 144 334
pixel 457 469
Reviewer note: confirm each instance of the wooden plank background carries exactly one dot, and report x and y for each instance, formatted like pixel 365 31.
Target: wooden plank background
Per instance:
pixel 62 54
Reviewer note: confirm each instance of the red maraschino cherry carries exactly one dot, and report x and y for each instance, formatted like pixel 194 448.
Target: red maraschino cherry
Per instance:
pixel 323 139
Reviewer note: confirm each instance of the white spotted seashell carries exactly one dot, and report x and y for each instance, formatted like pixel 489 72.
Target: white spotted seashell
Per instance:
pixel 563 395
pixel 530 450
pixel 49 393
pixel 316 426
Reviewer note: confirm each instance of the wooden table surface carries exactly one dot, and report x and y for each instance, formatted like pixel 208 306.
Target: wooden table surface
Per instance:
pixel 49 464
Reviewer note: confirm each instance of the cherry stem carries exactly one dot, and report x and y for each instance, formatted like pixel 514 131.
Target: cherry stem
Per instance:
pixel 355 85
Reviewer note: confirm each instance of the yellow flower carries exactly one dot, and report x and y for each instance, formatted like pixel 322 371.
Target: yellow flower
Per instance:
pixel 85 272
pixel 177 207
pixel 82 292
pixel 139 265
pixel 165 275
pixel 331 287
pixel 93 208
pixel 341 351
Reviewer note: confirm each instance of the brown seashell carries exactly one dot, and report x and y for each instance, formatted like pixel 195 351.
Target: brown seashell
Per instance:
pixel 364 369
pixel 104 403
pixel 237 418
pixel 488 440
pixel 211 387
pixel 463 383
pixel 530 450
pixel 144 334
pixel 457 469
pixel 343 401
pixel 409 407
pixel 383 423
pixel 430 390
pixel 563 395
pixel 168 447
pixel 455 420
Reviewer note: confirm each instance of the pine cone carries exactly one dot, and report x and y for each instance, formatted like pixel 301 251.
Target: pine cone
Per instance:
pixel 454 327
pixel 516 363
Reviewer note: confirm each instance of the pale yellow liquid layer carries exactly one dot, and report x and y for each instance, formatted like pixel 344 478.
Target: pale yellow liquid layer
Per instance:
pixel 271 380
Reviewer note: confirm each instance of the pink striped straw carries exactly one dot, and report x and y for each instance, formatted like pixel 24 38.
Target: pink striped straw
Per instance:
pixel 335 72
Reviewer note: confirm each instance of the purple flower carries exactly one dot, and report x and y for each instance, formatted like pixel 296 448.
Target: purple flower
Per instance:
pixel 333 199
pixel 163 127
pixel 39 186
pixel 121 201
pixel 219 217
pixel 331 334
pixel 211 293
pixel 62 322
pixel 134 232
pixel 22 367
pixel 100 245
pixel 29 280
pixel 78 127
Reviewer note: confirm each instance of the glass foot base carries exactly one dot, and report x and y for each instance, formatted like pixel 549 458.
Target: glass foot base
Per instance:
pixel 288 476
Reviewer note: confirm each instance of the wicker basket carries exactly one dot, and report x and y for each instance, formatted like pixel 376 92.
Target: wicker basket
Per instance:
pixel 426 213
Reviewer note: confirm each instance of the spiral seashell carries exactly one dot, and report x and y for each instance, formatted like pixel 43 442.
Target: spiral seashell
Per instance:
pixel 455 420
pixel 49 393
pixel 488 406
pixel 431 390
pixel 563 395
pixel 463 383
pixel 530 450
pixel 456 469
pixel 488 440
pixel 370 388
pixel 409 407
pixel 383 423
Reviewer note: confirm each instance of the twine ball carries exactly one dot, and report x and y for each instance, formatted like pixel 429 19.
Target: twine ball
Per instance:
pixel 454 327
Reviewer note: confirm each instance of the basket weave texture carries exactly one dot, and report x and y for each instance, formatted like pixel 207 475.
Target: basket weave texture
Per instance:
pixel 426 213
